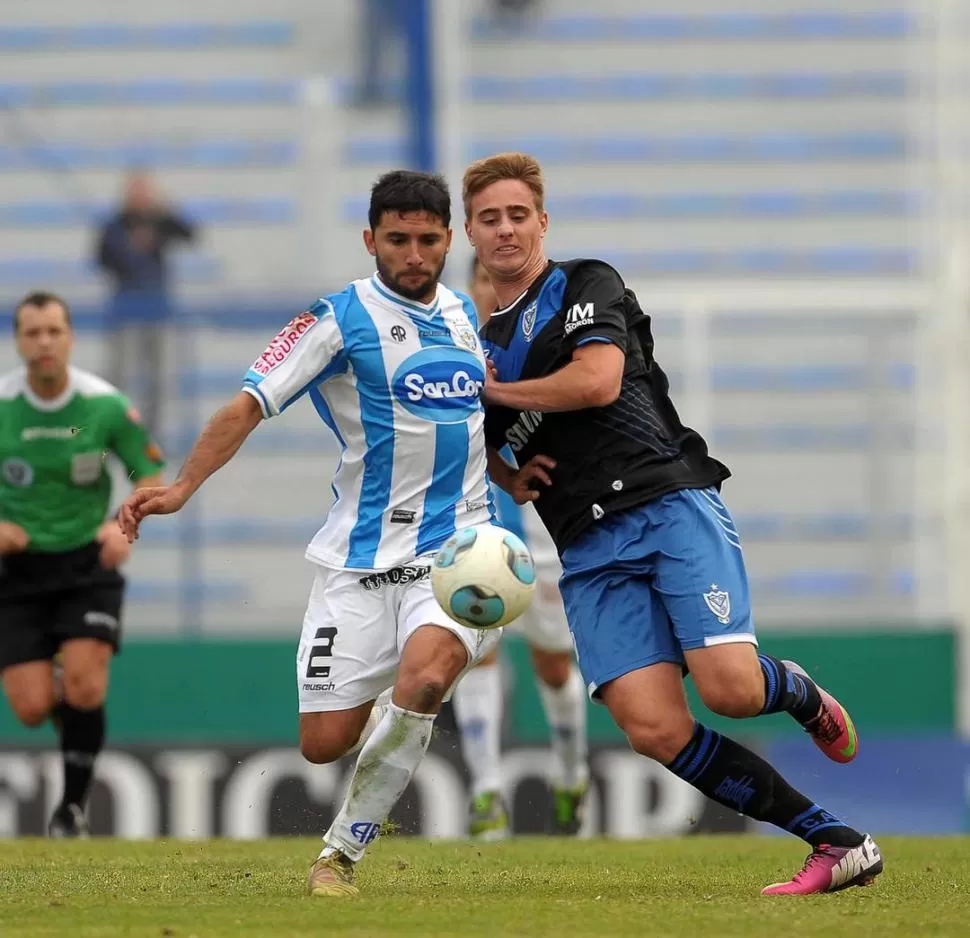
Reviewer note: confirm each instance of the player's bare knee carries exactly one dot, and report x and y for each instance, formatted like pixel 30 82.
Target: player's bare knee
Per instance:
pixel 423 690
pixel 660 740
pixel 432 660
pixel 322 751
pixel 322 748
pixel 729 679
pixel 736 701
pixel 733 691
pixel 85 690
pixel 32 710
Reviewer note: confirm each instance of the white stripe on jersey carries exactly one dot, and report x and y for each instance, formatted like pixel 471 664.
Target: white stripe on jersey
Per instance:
pixel 399 383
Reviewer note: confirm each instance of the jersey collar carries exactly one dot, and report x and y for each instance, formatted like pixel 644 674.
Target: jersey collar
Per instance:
pixel 53 403
pixel 530 292
pixel 428 311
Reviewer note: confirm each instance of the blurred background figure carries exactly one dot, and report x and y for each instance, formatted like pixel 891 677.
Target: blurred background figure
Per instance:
pixel 381 34
pixel 133 250
pixel 504 7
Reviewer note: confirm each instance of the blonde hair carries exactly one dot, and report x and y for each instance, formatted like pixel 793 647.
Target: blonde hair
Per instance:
pixel 482 173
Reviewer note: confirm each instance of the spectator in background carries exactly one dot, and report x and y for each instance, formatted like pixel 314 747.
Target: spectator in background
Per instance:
pixel 381 32
pixel 514 6
pixel 133 250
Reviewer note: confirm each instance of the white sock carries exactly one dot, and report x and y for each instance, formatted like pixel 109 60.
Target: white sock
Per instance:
pixel 566 712
pixel 384 768
pixel 478 710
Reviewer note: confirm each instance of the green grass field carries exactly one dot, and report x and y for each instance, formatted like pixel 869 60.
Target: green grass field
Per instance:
pixel 706 886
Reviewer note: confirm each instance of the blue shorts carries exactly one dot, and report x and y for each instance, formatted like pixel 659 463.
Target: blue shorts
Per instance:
pixel 643 585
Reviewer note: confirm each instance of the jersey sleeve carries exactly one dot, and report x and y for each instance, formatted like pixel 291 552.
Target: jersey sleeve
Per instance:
pixel 594 307
pixel 133 445
pixel 306 351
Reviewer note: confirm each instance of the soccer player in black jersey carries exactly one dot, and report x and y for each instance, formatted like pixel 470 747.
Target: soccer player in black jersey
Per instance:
pixel 653 576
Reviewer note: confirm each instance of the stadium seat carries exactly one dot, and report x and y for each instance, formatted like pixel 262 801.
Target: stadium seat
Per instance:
pixel 609 206
pixel 159 154
pixel 207 211
pixel 208 589
pixel 16 271
pixel 659 86
pixel 879 24
pixel 235 531
pixel 701 148
pixel 161 92
pixel 640 87
pixel 848 260
pixel 118 37
pixel 819 584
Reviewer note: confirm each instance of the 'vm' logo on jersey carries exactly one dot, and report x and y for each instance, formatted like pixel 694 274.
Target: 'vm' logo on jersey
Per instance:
pixel 579 315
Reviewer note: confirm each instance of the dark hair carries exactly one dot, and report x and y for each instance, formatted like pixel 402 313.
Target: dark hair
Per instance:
pixel 40 298
pixel 404 190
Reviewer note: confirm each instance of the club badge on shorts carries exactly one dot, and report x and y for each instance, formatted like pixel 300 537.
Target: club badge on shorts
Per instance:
pixel 719 602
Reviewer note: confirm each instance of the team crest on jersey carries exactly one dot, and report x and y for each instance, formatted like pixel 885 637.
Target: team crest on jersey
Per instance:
pixel 284 342
pixel 719 602
pixel 529 321
pixel 17 472
pixel 466 337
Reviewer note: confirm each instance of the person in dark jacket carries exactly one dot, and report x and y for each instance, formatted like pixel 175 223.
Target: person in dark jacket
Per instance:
pixel 134 247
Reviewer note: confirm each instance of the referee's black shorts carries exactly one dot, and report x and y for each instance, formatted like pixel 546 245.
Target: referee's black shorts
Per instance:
pixel 47 599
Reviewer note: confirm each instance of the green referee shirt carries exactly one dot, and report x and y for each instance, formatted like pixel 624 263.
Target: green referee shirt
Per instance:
pixel 53 479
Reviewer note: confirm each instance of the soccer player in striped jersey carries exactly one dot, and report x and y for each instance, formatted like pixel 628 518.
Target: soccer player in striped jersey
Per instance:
pixel 478 698
pixel 393 366
pixel 654 577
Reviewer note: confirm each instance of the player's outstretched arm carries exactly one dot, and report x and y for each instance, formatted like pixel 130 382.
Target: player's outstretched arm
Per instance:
pixel 225 432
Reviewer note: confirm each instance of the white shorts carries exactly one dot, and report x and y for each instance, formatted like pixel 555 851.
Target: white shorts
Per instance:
pixel 544 624
pixel 356 626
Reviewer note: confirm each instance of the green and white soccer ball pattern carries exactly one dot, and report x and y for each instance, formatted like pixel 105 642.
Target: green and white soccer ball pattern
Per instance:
pixel 483 577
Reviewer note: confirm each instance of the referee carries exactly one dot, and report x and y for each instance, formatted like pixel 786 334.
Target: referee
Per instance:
pixel 60 590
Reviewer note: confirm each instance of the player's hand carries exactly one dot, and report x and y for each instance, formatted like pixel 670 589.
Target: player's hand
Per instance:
pixel 13 538
pixel 535 470
pixel 153 500
pixel 115 547
pixel 491 380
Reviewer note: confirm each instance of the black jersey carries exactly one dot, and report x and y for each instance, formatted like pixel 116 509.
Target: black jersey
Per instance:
pixel 608 458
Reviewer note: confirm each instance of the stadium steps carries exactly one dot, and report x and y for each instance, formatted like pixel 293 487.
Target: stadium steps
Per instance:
pixel 768 27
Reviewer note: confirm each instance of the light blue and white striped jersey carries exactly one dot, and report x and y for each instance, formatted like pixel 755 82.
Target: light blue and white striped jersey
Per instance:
pixel 399 383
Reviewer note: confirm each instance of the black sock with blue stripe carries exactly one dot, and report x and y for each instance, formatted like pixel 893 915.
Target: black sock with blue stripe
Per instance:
pixel 738 779
pixel 788 692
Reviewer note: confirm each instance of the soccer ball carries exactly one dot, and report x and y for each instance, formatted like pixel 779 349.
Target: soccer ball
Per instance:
pixel 483 576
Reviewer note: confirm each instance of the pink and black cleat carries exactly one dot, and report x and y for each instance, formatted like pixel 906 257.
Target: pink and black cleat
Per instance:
pixel 832 730
pixel 829 869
